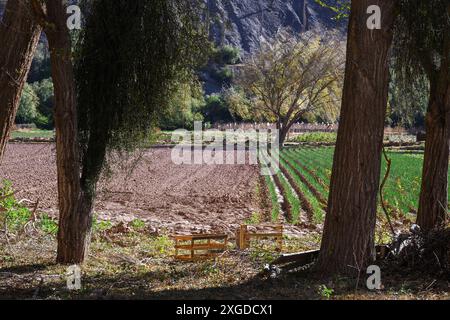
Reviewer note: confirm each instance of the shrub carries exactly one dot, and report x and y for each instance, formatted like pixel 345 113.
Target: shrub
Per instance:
pixel 44 91
pixel 223 75
pixel 29 102
pixel 216 109
pixel 17 215
pixel 227 55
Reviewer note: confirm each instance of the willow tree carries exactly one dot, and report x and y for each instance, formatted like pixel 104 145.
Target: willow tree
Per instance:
pixel 129 57
pixel 19 36
pixel 290 77
pixel 423 48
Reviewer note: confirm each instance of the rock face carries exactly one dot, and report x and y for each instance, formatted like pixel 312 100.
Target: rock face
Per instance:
pixel 244 23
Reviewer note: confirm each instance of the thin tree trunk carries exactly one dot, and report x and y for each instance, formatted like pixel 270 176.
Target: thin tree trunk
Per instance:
pixel 433 204
pixel 19 36
pixel 348 238
pixel 75 208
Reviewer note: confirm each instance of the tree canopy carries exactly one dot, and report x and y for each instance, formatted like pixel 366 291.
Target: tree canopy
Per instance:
pixel 130 56
pixel 289 78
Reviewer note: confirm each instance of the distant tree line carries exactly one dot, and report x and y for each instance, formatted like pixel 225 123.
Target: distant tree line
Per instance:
pixel 190 103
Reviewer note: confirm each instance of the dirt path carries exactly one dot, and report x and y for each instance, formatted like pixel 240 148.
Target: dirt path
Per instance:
pixel 183 199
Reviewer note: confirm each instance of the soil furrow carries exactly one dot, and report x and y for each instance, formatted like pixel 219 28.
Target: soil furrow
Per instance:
pixel 306 205
pixel 308 184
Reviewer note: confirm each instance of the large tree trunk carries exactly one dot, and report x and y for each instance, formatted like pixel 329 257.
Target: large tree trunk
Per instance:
pixel 19 36
pixel 348 238
pixel 433 204
pixel 75 208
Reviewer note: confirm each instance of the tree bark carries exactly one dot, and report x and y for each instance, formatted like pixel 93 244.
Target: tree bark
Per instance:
pixel 75 207
pixel 19 36
pixel 433 204
pixel 348 238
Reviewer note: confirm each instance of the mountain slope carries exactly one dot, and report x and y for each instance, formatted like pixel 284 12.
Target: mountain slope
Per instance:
pixel 243 23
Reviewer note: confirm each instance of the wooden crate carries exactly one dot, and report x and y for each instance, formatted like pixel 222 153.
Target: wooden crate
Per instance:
pixel 199 246
pixel 243 236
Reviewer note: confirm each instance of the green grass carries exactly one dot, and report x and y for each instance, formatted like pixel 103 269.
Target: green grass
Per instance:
pixel 33 133
pixel 326 137
pixel 291 198
pixel 275 212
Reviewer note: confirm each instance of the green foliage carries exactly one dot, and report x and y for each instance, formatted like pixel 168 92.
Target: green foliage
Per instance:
pixel 138 224
pixel 100 225
pixel 276 209
pixel 36 105
pixel 216 109
pixel 226 55
pixel 44 91
pixel 327 137
pixel 185 107
pixel 290 78
pixel 223 75
pixel 16 215
pixel 143 50
pixel 341 8
pixel 29 102
pixel 33 133
pixel 325 292
pixel 408 102
pixel 402 189
pixel 161 245
pixel 254 219
pixel 238 104
pixel 48 225
pixel 421 28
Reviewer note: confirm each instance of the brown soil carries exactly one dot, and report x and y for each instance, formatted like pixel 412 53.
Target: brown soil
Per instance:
pixel 170 198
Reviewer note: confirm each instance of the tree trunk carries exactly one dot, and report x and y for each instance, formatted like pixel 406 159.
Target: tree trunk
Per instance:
pixel 433 204
pixel 19 36
pixel 75 207
pixel 283 135
pixel 348 238
pixel 284 131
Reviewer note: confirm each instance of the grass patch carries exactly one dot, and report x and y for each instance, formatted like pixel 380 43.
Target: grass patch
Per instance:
pixel 316 137
pixel 32 134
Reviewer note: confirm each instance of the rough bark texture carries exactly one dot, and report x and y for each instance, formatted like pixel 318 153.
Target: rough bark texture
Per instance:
pixel 19 36
pixel 348 239
pixel 433 204
pixel 75 209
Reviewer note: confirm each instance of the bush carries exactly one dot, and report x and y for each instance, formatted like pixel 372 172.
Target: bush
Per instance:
pixel 223 75
pixel 44 91
pixel 17 215
pixel 184 108
pixel 29 102
pixel 227 55
pixel 216 109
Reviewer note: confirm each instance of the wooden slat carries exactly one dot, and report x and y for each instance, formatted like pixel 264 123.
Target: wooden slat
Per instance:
pixel 201 246
pixel 261 235
pixel 200 236
pixel 215 242
pixel 243 236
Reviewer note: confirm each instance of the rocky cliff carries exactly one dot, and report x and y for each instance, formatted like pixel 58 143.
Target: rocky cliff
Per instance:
pixel 243 23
